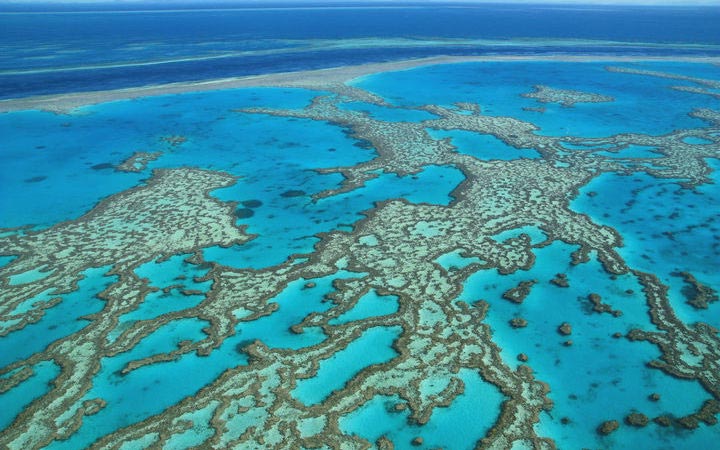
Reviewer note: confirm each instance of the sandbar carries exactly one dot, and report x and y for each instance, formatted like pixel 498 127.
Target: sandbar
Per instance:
pixel 64 103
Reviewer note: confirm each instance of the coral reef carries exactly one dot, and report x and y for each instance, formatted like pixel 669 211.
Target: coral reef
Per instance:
pixel 608 427
pixel 560 280
pixel 437 335
pixel 698 294
pixel 567 98
pixel 138 161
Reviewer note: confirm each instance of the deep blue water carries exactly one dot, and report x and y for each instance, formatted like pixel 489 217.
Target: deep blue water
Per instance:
pixel 74 50
pixel 496 21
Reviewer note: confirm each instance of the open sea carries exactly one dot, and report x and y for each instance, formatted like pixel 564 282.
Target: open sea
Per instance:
pixel 274 301
pixel 69 50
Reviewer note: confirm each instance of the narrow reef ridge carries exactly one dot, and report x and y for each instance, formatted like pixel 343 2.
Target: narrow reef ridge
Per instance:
pixel 566 97
pixel 138 161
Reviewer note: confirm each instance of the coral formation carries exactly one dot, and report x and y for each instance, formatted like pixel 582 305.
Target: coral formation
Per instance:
pixel 608 427
pixel 566 97
pixel 138 161
pixel 437 335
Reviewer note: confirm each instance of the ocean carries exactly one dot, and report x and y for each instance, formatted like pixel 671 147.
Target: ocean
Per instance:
pixel 69 50
pixel 497 253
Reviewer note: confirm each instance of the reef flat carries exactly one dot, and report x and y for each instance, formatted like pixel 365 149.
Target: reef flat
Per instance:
pixel 518 280
pixel 337 78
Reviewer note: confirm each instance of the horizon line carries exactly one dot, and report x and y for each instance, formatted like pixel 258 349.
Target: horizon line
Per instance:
pixel 277 3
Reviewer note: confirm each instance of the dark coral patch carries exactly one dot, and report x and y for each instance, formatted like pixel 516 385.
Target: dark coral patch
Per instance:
pixel 608 427
pixel 252 203
pixel 292 193
pixel 102 166
pixel 244 213
pixel 637 420
pixel 35 179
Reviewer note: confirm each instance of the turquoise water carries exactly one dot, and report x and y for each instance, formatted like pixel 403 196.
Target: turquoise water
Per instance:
pixel 374 346
pixel 179 278
pixel 458 426
pixel 126 394
pixel 73 152
pixel 301 218
pixel 59 166
pixel 636 151
pixel 454 260
pixel 16 399
pixel 639 104
pixel 646 213
pixel 697 141
pixel 61 320
pixel 598 377
pixel 369 305
pixel 5 260
pixel 536 234
pixel 29 277
pixel 483 146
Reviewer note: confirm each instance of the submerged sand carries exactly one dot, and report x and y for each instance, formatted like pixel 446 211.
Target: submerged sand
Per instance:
pixel 64 103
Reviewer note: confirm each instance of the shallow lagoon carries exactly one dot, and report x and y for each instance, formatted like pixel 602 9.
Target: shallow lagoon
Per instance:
pixel 639 104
